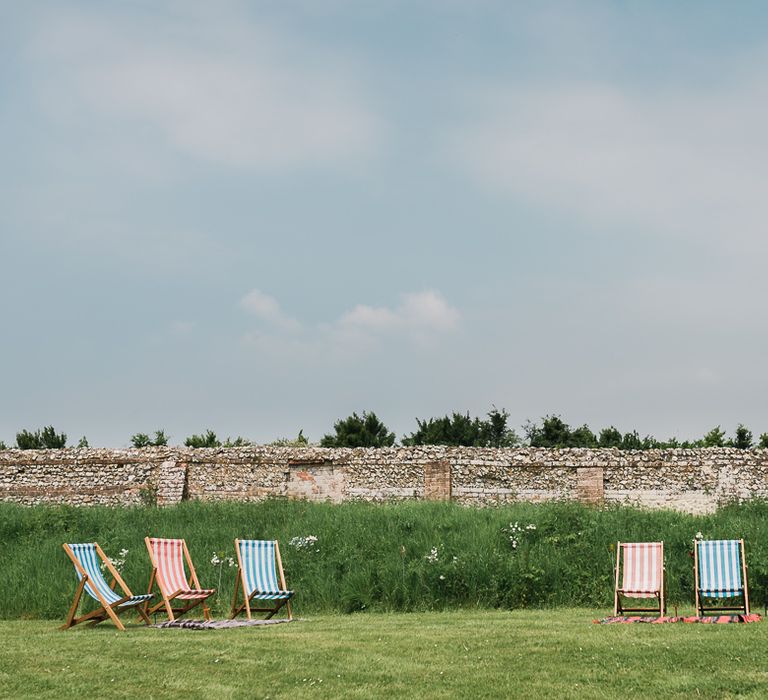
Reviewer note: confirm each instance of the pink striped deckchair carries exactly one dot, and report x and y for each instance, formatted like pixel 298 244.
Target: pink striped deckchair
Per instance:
pixel 170 575
pixel 640 567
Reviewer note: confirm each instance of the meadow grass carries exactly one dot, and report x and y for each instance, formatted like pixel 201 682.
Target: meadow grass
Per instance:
pixel 479 654
pixel 410 557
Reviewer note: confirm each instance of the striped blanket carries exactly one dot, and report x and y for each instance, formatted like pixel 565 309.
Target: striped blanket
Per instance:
pixel 216 624
pixel 708 619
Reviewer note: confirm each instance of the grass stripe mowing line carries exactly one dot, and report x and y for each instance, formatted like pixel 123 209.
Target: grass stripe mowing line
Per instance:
pixel 516 654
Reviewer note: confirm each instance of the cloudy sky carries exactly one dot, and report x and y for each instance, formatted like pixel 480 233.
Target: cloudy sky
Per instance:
pixel 257 217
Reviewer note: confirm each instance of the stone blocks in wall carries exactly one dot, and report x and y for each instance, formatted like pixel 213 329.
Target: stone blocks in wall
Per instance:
pixel 697 481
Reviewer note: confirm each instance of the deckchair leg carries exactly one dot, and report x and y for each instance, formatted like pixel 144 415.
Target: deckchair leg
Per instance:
pixel 616 576
pixel 115 618
pixel 75 603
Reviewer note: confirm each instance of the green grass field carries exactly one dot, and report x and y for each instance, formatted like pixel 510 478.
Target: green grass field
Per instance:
pixel 402 557
pixel 513 654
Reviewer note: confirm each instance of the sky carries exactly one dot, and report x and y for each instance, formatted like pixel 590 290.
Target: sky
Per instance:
pixel 260 217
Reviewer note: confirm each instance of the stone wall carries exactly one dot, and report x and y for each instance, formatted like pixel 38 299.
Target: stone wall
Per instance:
pixel 692 480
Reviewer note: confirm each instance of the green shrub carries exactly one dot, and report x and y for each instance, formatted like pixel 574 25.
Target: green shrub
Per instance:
pixel 207 440
pixel 47 438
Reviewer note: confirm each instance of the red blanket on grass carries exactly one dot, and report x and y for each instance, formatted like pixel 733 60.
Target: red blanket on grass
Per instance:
pixel 711 619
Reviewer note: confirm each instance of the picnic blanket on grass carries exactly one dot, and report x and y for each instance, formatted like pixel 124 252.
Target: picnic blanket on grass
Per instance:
pixel 217 624
pixel 707 619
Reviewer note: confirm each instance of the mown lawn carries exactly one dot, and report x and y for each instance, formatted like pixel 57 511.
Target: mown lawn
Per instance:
pixel 525 654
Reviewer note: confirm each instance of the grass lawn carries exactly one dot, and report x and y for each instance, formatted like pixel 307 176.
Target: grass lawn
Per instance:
pixel 478 654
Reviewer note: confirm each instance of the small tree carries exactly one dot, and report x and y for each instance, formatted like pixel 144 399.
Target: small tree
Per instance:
pixel 359 431
pixel 3 446
pixel 632 441
pixel 237 442
pixel 763 440
pixel 143 440
pixel 299 441
pixel 83 442
pixel 714 438
pixel 207 440
pixel 609 437
pixel 554 432
pixel 582 437
pixel 743 439
pixel 47 438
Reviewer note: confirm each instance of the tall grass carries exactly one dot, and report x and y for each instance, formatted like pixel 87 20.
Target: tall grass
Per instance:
pixel 406 556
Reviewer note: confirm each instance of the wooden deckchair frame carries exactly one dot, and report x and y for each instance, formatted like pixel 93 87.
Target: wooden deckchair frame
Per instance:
pixel 167 600
pixel 660 595
pixel 246 604
pixel 111 610
pixel 701 609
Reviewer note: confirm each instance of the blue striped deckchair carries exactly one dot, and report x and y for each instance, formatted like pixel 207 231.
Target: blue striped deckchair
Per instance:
pixel 259 564
pixel 720 571
pixel 88 559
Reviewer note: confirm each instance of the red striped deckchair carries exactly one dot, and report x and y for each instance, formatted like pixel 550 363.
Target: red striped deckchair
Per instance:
pixel 88 559
pixel 641 565
pixel 259 564
pixel 168 572
pixel 720 572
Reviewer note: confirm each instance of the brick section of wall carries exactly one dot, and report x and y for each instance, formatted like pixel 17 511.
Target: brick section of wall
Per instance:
pixel 437 481
pixel 589 485
pixel 696 481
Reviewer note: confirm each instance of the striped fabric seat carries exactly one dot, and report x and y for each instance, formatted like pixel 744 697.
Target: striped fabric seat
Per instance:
pixel 169 572
pixel 89 559
pixel 261 579
pixel 643 569
pixel 257 558
pixel 168 556
pixel 719 568
pixel 639 574
pixel 90 562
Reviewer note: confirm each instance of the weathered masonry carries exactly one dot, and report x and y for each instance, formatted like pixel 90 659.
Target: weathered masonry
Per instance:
pixel 691 480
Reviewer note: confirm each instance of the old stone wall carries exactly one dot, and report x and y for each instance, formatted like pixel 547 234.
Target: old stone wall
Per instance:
pixel 691 480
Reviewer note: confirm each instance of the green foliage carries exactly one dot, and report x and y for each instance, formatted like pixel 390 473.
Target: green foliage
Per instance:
pixel 460 429
pixel 3 446
pixel 743 439
pixel 405 556
pixel 299 441
pixel 237 442
pixel 143 440
pixel 47 438
pixel 207 440
pixel 609 437
pixel 359 431
pixel 763 440
pixel 554 432
pixel 714 438
pixel 83 442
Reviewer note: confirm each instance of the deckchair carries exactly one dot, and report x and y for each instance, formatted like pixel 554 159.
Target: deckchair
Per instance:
pixel 169 574
pixel 720 571
pixel 642 569
pixel 259 563
pixel 88 559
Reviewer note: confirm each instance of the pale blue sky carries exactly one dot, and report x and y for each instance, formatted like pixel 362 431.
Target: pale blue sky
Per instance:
pixel 257 217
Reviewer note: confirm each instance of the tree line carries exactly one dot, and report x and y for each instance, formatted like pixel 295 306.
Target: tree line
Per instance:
pixel 456 429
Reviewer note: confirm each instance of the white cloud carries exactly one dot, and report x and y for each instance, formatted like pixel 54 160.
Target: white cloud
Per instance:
pixel 680 162
pixel 213 86
pixel 268 309
pixel 420 311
